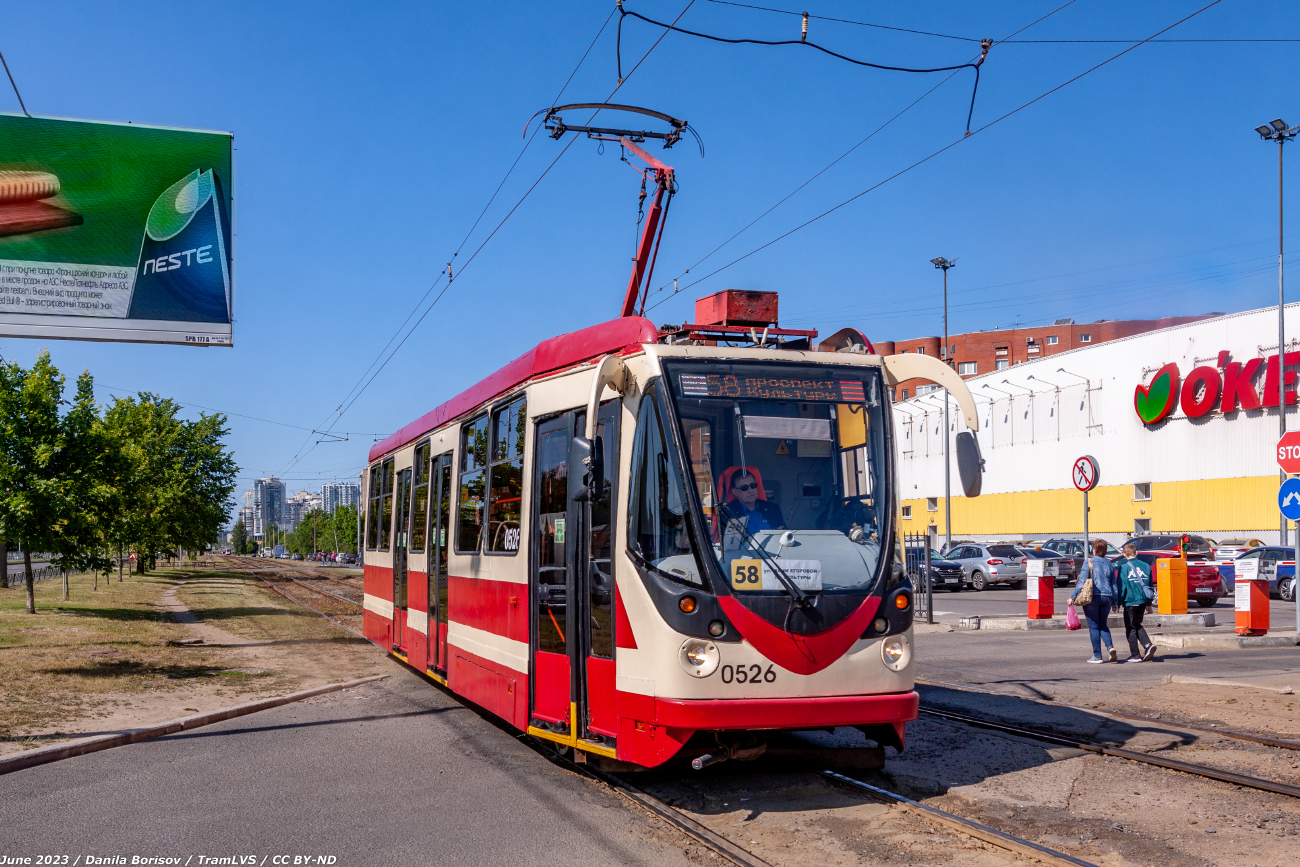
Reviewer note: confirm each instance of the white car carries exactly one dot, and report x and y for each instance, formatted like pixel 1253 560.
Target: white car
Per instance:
pixel 1231 549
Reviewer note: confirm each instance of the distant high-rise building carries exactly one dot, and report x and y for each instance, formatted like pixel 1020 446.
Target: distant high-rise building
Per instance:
pixel 338 494
pixel 298 506
pixel 268 505
pixel 246 515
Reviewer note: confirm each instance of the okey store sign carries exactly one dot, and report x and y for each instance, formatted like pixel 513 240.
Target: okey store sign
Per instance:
pixel 1228 386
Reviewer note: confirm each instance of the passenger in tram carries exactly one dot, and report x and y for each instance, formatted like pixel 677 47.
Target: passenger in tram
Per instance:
pixel 742 495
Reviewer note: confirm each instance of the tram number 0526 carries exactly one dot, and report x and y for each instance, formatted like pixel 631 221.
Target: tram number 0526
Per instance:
pixel 752 674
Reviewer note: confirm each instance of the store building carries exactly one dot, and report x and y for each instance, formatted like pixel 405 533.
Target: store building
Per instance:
pixel 1182 421
pixel 979 352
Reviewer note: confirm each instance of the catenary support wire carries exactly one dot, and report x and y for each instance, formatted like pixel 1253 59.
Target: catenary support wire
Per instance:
pixel 985 45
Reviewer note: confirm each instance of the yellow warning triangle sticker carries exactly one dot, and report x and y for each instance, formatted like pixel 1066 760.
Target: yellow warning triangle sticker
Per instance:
pixel 782 448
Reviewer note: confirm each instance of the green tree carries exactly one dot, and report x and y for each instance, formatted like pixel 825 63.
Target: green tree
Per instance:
pixel 238 538
pixel 52 488
pixel 178 477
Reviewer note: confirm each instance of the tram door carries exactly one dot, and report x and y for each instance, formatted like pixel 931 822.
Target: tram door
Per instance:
pixel 439 538
pixel 572 586
pixel 401 533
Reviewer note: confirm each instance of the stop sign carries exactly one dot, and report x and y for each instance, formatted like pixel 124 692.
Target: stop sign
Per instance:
pixel 1288 451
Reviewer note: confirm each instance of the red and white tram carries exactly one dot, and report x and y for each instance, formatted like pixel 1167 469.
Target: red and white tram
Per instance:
pixel 629 536
pixel 617 541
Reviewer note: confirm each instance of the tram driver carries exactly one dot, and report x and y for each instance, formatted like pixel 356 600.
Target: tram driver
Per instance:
pixel 743 497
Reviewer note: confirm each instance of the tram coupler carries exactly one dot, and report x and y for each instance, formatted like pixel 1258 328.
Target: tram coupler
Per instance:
pixel 727 751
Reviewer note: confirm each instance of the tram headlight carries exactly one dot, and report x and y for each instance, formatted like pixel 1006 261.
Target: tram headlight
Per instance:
pixel 698 657
pixel 896 651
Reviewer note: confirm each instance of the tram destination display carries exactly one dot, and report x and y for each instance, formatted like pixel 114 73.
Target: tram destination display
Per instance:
pixel 115 231
pixel 771 387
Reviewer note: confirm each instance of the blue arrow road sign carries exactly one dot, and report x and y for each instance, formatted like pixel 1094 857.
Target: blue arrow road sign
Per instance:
pixel 1288 499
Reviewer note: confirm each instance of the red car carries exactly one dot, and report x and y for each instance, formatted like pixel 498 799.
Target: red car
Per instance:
pixel 1204 583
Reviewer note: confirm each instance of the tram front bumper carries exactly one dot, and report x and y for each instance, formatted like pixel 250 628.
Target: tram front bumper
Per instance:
pixel 787 713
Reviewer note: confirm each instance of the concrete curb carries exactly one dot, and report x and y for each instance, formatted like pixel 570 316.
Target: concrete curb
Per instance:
pixel 1209 681
pixel 57 752
pixel 1205 620
pixel 1225 642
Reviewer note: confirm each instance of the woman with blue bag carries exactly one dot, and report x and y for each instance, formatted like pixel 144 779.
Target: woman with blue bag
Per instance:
pixel 1096 592
pixel 1136 594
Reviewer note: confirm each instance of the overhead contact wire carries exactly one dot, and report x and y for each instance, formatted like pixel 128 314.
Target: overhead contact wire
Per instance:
pixel 834 162
pixel 943 149
pixel 499 225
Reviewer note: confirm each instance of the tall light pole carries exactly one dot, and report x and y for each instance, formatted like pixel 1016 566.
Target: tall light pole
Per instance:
pixel 1278 131
pixel 944 353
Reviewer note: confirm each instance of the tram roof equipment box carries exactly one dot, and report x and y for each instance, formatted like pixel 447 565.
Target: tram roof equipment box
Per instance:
pixel 736 307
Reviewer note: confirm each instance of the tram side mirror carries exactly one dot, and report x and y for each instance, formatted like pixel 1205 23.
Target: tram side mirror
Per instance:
pixel 586 469
pixel 970 465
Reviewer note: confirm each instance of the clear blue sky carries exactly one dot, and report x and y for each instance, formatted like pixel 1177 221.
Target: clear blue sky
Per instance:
pixel 369 137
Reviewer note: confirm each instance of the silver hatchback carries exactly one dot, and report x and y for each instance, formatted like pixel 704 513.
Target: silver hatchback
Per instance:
pixel 982 565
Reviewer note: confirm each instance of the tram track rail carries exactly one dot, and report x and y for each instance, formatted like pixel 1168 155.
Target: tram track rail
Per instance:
pixel 1265 740
pixel 702 834
pixel 1119 752
pixel 739 855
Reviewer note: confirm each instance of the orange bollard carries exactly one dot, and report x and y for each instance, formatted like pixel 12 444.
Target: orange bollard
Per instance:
pixel 1171 585
pixel 1040 582
pixel 1251 597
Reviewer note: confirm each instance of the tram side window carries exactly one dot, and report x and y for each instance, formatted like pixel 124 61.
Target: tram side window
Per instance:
pixel 657 528
pixel 473 468
pixel 420 492
pixel 374 489
pixel 506 477
pixel 386 506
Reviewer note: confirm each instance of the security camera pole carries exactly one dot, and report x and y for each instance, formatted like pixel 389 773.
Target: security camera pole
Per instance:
pixel 944 264
pixel 1278 131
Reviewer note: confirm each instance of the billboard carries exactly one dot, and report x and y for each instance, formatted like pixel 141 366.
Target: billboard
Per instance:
pixel 115 231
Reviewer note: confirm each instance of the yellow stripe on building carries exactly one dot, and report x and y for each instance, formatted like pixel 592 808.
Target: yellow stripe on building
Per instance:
pixel 1241 505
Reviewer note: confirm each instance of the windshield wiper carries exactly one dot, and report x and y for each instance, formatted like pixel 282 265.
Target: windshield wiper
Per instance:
pixel 799 594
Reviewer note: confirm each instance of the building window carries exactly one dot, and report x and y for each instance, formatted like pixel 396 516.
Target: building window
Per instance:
pixel 1141 526
pixel 932 504
pixel 473 465
pixel 968 368
pixel 907 513
pixel 1085 338
pixel 506 477
pixel 1033 350
pixel 1051 340
pixel 904 352
pixel 925 389
pixel 1001 364
pixel 1000 350
pixel 1142 491
pixel 920 350
pixel 904 394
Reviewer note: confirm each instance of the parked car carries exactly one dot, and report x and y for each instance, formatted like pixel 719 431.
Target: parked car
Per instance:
pixel 1231 549
pixel 1073 550
pixel 1198 545
pixel 295 556
pixel 985 564
pixel 1278 565
pixel 945 574
pixel 1064 565
pixel 1205 585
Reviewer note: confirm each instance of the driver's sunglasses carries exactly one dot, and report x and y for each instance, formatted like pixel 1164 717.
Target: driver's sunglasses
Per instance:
pixel 751 486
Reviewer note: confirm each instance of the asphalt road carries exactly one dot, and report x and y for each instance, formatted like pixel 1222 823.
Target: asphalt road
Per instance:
pixel 1052 664
pixel 1000 599
pixel 395 772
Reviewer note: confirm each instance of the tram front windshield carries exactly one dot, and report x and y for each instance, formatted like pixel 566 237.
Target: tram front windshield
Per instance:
pixel 788 464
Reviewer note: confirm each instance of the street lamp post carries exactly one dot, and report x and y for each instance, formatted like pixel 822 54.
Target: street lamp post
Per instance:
pixel 1278 131
pixel 943 265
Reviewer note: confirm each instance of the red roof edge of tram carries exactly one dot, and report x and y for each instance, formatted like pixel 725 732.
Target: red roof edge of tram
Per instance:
pixel 548 356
